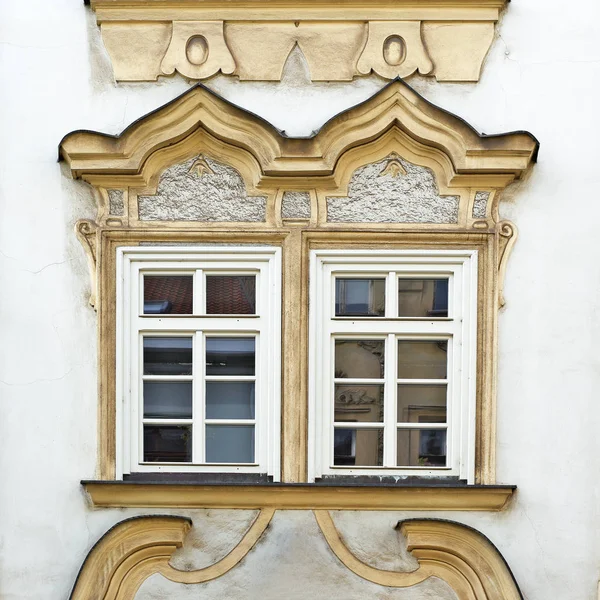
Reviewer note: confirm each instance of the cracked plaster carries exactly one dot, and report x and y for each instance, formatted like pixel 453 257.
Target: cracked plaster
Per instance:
pixel 202 189
pixel 378 196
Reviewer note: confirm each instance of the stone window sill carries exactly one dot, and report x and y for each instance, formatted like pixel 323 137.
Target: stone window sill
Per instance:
pixel 299 496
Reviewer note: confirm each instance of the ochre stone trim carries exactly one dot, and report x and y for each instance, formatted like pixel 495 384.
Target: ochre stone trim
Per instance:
pixel 137 548
pixel 448 39
pixel 459 555
pixel 415 129
pixel 111 494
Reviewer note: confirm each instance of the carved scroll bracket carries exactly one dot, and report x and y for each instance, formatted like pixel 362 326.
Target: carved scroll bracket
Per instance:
pixel 150 38
pixel 86 232
pixel 507 236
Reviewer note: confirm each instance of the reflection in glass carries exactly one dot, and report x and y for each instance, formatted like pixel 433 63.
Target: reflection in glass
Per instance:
pixel 230 355
pixel 417 401
pixel 422 297
pixel 167 443
pixel 359 359
pixel 358 447
pixel 230 443
pixel 230 294
pixel 168 294
pixel 422 359
pixel 362 403
pixel 359 297
pixel 230 400
pixel 168 399
pixel 167 355
pixel 421 447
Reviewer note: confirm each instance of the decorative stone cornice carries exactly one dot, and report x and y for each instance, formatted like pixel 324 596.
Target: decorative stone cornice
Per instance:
pixel 447 39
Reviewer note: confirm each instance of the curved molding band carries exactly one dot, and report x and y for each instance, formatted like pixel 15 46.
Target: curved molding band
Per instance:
pixel 137 548
pixel 461 556
pixel 270 160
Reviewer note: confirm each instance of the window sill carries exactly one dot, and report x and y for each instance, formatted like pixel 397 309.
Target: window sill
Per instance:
pixel 299 496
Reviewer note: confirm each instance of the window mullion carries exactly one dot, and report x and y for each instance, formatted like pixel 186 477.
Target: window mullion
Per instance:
pixel 389 405
pixel 198 391
pixel 198 299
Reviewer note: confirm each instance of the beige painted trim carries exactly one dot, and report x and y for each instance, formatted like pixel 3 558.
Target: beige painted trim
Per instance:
pixel 137 548
pixel 110 494
pixel 147 39
pixel 457 554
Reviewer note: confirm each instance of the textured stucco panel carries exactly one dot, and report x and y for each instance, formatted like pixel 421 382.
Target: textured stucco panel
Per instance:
pixel 480 205
pixel 295 205
pixel 378 194
pixel 202 189
pixel 116 201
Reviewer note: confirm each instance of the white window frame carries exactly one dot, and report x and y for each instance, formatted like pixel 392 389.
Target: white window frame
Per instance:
pixel 460 328
pixel 131 324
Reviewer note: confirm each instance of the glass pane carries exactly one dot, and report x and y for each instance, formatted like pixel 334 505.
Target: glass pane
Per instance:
pixel 168 399
pixel 359 297
pixel 230 294
pixel 230 355
pixel 358 447
pixel 359 403
pixel 230 444
pixel 419 402
pixel 421 447
pixel 167 443
pixel 167 355
pixel 422 360
pixel 422 297
pixel 168 294
pixel 230 400
pixel 359 359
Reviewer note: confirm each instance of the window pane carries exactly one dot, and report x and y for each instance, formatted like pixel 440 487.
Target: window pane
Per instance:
pixel 230 294
pixel 230 400
pixel 230 355
pixel 422 360
pixel 230 444
pixel 167 443
pixel 359 403
pixel 421 447
pixel 359 359
pixel 167 355
pixel 168 399
pixel 358 447
pixel 168 294
pixel 422 297
pixel 418 403
pixel 359 297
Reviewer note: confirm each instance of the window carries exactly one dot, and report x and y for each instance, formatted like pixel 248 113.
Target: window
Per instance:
pixel 392 366
pixel 198 355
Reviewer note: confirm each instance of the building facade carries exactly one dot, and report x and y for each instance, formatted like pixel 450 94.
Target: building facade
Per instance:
pixel 278 319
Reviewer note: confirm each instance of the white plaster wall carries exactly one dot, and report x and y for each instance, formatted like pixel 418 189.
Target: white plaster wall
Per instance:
pixel 542 75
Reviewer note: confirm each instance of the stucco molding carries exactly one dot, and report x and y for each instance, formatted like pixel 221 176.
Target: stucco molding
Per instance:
pixel 137 548
pixel 113 494
pixel 447 39
pixel 267 159
pixel 461 556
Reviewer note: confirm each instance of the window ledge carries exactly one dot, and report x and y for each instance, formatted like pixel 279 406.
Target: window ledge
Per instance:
pixel 299 496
